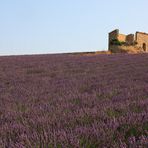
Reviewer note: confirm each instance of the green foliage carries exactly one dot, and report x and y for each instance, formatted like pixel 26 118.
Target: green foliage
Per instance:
pixel 145 128
pixel 114 112
pixel 76 101
pixel 117 42
pixel 85 120
pixel 132 131
pixel 85 142
pixel 128 131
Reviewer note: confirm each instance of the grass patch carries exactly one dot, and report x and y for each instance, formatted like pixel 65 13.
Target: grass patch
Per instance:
pixel 84 120
pixel 107 95
pixel 21 107
pixel 76 101
pixel 135 108
pixel 85 142
pixel 114 112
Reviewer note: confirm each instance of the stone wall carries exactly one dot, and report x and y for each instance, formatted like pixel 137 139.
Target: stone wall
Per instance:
pixel 115 35
pixel 128 43
pixel 142 40
pixel 121 37
pixel 130 38
pixel 112 35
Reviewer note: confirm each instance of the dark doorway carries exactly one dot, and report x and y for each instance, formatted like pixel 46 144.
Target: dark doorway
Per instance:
pixel 144 46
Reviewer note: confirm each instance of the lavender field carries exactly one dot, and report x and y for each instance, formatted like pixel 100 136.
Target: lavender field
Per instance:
pixel 66 101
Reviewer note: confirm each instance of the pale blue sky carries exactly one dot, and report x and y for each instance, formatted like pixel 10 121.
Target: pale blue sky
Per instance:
pixel 51 26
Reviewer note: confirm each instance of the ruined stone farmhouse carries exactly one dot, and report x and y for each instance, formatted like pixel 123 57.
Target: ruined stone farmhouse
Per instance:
pixel 130 43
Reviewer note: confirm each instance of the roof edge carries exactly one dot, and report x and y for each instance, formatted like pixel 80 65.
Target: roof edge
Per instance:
pixel 142 33
pixel 116 30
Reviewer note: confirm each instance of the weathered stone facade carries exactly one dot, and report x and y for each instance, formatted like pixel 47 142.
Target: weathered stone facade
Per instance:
pixel 130 43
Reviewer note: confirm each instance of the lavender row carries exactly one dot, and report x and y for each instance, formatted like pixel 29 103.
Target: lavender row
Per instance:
pixel 74 101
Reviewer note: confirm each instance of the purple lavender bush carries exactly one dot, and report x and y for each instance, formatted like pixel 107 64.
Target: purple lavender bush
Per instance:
pixel 59 101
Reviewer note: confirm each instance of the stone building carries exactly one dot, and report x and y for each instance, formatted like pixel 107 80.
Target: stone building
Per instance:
pixel 130 43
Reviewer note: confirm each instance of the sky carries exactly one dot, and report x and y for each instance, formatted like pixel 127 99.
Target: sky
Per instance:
pixel 59 26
